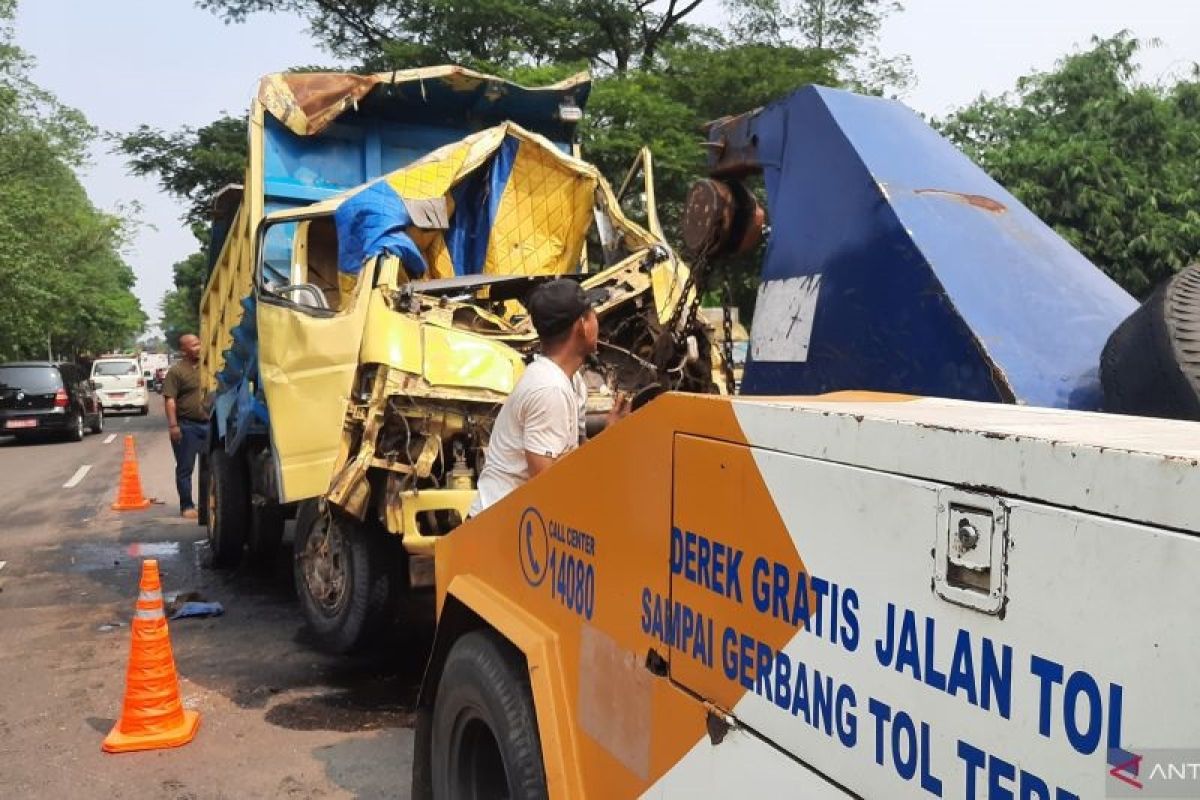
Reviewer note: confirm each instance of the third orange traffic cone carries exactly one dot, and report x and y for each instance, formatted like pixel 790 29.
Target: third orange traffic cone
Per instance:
pixel 153 715
pixel 129 492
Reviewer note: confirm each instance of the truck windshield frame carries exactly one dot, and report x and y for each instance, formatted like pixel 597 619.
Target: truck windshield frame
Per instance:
pixel 263 292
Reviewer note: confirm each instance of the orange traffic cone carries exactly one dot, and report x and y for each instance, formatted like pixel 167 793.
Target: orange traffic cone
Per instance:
pixel 129 492
pixel 153 715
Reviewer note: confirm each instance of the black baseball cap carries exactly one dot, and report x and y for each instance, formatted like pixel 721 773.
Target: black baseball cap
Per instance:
pixel 555 305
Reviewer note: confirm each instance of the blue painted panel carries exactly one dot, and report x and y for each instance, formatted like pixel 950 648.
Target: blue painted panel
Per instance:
pixel 934 279
pixel 347 154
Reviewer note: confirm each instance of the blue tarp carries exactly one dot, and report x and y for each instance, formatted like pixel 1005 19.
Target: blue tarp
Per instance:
pixel 374 221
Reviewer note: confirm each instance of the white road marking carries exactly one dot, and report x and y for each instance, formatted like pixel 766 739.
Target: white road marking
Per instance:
pixel 2 564
pixel 111 436
pixel 78 476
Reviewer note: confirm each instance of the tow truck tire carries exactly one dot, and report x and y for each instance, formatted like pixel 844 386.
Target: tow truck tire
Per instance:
pixel 346 578
pixel 228 507
pixel 484 730
pixel 98 425
pixel 1151 363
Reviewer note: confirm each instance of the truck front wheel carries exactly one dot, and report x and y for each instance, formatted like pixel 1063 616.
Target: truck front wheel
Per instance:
pixel 226 507
pixel 484 733
pixel 346 578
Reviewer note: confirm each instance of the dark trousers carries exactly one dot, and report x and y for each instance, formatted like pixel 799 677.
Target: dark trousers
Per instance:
pixel 189 446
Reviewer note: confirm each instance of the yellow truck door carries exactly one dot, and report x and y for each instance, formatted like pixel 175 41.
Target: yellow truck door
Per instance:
pixel 309 334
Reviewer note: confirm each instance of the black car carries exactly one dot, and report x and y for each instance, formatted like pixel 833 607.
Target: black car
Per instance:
pixel 38 397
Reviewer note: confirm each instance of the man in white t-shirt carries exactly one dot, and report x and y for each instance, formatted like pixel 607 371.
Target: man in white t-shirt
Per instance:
pixel 543 418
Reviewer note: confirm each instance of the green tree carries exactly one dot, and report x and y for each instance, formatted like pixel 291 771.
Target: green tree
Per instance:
pixel 846 31
pixel 181 306
pixel 190 163
pixel 614 35
pixel 1107 160
pixel 62 276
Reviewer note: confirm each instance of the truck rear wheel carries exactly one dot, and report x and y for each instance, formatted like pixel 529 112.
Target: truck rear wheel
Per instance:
pixel 347 578
pixel 484 733
pixel 227 507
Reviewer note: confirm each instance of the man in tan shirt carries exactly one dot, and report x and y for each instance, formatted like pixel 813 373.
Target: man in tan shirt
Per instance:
pixel 187 423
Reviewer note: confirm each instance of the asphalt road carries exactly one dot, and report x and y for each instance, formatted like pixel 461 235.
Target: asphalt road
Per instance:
pixel 277 719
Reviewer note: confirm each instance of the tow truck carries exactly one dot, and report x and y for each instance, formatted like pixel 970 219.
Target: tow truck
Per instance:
pixel 982 594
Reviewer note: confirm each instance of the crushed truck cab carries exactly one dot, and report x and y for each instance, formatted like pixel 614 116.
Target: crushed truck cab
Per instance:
pixel 366 318
pixel 849 595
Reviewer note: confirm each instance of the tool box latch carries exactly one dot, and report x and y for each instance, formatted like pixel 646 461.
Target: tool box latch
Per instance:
pixel 969 555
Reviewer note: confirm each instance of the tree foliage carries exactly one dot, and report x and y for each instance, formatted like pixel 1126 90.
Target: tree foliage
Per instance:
pixel 190 163
pixel 181 305
pixel 62 276
pixel 615 35
pixel 846 31
pixel 1108 161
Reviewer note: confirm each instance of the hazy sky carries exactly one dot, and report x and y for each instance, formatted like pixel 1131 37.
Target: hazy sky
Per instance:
pixel 166 63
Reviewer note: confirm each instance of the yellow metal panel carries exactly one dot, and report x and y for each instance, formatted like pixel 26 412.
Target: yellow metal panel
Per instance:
pixel 308 364
pixel 433 246
pixel 544 213
pixel 390 338
pixel 454 358
pixel 667 280
pixel 431 176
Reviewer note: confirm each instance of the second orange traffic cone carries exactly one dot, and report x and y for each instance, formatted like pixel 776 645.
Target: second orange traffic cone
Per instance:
pixel 153 715
pixel 129 491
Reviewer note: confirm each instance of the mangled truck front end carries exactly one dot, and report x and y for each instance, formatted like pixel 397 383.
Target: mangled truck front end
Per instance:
pixel 423 274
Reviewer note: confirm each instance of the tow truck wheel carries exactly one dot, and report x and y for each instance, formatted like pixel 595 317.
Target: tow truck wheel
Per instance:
pixel 484 734
pixel 226 507
pixel 344 578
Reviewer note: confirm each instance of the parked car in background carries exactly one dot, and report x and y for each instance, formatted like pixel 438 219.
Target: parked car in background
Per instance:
pixel 41 397
pixel 120 384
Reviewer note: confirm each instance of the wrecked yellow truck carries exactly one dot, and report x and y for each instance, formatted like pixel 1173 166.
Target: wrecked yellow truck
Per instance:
pixel 364 318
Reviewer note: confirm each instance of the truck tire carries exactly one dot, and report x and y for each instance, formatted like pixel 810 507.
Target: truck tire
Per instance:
pixel 347 578
pixel 98 424
pixel 484 734
pixel 202 490
pixel 228 507
pixel 265 532
pixel 1151 363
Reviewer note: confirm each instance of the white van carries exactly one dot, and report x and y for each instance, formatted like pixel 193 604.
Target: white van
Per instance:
pixel 120 385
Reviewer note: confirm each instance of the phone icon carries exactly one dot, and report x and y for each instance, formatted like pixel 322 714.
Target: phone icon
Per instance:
pixel 533 561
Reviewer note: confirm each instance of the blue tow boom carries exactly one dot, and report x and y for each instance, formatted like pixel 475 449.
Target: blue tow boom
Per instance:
pixel 896 264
